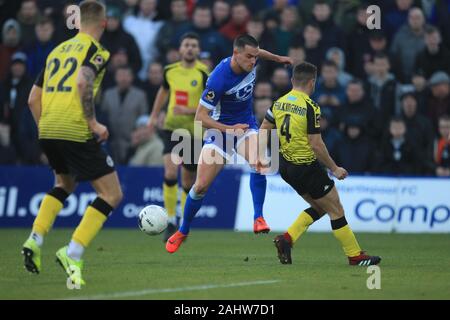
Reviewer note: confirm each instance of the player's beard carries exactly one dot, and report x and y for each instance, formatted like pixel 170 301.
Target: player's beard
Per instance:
pixel 189 59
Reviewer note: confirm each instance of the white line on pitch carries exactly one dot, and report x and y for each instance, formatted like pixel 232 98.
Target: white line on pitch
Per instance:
pixel 125 294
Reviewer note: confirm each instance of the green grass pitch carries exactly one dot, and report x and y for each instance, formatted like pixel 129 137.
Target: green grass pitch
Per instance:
pixel 128 264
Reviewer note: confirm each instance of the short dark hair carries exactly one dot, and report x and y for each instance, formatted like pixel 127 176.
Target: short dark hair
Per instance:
pixel 245 40
pixel 396 119
pixel 356 81
pixel 190 35
pixel 303 73
pixel 429 29
pixel 91 11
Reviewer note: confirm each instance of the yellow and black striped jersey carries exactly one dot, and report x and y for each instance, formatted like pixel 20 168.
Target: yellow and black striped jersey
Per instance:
pixel 186 86
pixel 62 114
pixel 295 116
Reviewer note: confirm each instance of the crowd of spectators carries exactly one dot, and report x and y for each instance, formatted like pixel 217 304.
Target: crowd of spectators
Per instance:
pixel 384 93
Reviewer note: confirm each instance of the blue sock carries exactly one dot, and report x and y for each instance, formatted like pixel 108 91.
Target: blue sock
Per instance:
pixel 258 185
pixel 193 204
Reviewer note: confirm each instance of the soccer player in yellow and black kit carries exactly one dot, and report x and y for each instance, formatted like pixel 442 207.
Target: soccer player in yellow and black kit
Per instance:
pixel 62 104
pixel 184 82
pixel 296 119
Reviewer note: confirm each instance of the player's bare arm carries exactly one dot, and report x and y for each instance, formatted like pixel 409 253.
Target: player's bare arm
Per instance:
pixel 35 103
pixel 203 116
pixel 266 55
pixel 85 83
pixel 160 101
pixel 324 157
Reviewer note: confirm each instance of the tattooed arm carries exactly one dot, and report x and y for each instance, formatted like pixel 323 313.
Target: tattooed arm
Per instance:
pixel 85 83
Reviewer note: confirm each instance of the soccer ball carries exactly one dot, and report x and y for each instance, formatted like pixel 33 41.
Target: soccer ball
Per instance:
pixel 153 220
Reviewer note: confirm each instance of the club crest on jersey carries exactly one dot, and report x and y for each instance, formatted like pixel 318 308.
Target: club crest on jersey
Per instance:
pixel 98 60
pixel 210 95
pixel 194 83
pixel 245 93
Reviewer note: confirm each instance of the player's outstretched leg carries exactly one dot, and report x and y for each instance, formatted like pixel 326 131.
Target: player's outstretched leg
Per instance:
pixel 258 184
pixel 210 164
pixel 51 205
pixel 109 195
pixel 342 231
pixel 284 242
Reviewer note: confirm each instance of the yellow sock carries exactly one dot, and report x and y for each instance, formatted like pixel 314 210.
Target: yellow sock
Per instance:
pixel 89 226
pixel 170 194
pixel 304 220
pixel 183 200
pixel 347 239
pixel 300 225
pixel 49 209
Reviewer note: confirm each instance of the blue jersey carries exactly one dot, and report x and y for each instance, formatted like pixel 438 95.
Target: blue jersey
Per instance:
pixel 230 96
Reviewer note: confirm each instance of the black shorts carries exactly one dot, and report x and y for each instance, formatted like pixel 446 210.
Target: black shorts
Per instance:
pixel 191 161
pixel 86 161
pixel 306 178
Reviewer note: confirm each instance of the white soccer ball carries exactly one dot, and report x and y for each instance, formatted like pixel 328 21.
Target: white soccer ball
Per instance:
pixel 153 219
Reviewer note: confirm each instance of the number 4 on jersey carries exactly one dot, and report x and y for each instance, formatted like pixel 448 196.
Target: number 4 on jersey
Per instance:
pixel 285 128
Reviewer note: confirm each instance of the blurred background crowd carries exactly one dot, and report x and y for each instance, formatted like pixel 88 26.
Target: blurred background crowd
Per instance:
pixel 384 93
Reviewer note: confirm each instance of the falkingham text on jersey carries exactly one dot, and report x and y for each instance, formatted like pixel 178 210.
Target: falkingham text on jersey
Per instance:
pixel 288 107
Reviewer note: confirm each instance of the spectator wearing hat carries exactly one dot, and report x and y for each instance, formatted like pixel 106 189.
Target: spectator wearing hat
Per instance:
pixel 115 39
pixel 398 155
pixel 337 55
pixel 418 128
pixel 355 150
pixel 38 51
pixel 434 57
pixel 147 146
pixel 123 105
pixel 407 43
pixel 179 21
pixel 438 102
pixel 17 114
pixel 10 44
pixel 442 148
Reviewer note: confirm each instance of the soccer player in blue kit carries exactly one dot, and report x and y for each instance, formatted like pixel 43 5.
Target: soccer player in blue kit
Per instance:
pixel 226 109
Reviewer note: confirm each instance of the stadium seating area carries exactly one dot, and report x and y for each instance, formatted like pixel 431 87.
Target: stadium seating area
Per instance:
pixel 385 94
